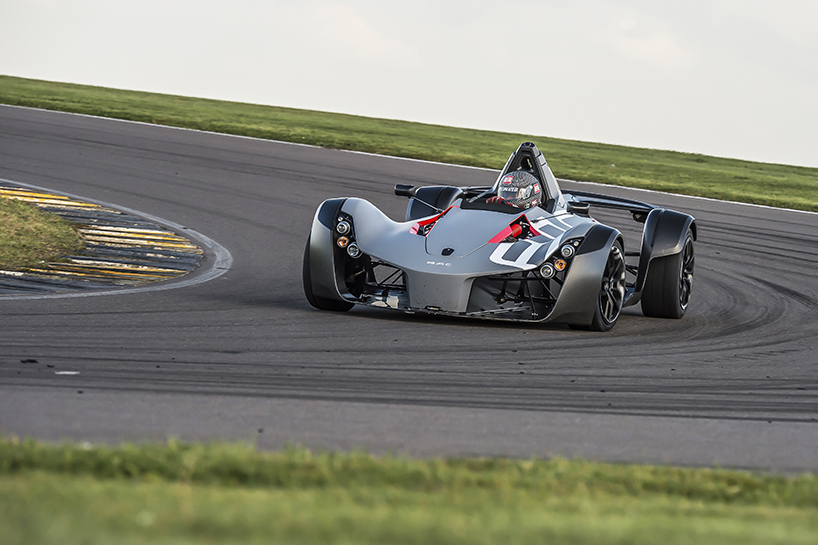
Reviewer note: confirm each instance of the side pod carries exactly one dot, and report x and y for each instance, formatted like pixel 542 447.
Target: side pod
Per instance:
pixel 428 201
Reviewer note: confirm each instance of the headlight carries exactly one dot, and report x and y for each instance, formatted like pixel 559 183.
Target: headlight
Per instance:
pixel 353 251
pixel 547 270
pixel 343 227
pixel 559 260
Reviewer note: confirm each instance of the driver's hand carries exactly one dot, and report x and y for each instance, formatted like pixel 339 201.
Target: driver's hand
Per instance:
pixel 495 200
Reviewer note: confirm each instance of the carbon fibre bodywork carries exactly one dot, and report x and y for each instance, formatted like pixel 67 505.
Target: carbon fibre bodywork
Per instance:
pixel 461 253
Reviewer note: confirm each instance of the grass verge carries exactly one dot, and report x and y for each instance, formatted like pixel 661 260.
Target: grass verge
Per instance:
pixel 180 493
pixel 691 174
pixel 29 236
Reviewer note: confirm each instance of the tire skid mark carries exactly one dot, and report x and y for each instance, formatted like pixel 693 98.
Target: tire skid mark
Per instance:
pixel 803 298
pixel 735 312
pixel 120 249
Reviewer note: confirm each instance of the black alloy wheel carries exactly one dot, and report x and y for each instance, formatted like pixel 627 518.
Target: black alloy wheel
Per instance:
pixel 686 276
pixel 612 291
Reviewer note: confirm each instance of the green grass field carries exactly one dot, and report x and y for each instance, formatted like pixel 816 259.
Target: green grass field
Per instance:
pixel 29 236
pixel 691 174
pixel 178 493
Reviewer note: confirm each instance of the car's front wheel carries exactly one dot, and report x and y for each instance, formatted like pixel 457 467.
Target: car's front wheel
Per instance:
pixel 611 291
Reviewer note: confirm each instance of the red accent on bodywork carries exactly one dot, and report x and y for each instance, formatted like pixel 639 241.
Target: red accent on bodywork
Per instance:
pixel 433 219
pixel 514 230
pixel 502 235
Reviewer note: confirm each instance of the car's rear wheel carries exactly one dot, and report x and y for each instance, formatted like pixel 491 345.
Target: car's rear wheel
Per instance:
pixel 669 283
pixel 319 302
pixel 611 291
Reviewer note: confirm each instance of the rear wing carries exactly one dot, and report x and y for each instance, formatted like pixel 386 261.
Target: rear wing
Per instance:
pixel 638 209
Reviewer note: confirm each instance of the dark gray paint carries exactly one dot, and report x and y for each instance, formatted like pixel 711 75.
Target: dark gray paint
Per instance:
pixel 733 383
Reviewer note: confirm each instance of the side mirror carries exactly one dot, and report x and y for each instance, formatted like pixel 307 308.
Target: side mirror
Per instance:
pixel 405 190
pixel 579 208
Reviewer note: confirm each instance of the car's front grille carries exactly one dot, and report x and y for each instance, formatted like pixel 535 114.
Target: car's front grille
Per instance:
pixel 515 296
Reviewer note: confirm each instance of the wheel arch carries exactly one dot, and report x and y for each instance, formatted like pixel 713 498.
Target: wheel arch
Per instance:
pixel 323 273
pixel 577 300
pixel 663 235
pixel 666 233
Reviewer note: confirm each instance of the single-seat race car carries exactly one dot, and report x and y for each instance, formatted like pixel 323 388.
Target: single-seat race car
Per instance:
pixel 520 250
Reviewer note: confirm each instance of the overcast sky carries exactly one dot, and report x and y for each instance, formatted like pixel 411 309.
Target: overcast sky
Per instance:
pixel 733 78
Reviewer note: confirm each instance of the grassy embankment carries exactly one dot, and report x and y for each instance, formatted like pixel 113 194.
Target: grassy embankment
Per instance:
pixel 29 236
pixel 178 493
pixel 691 174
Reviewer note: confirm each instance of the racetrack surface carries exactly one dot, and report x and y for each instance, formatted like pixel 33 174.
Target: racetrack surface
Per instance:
pixel 244 357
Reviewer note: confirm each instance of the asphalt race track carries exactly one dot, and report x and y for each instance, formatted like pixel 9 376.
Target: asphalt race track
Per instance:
pixel 244 357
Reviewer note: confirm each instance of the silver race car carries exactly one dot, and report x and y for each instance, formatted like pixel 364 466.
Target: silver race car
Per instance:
pixel 521 250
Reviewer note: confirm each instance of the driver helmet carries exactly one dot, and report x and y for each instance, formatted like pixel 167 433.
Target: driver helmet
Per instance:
pixel 520 189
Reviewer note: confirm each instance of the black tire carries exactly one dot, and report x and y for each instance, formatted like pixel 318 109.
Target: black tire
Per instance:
pixel 611 291
pixel 669 283
pixel 319 302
